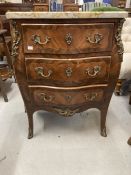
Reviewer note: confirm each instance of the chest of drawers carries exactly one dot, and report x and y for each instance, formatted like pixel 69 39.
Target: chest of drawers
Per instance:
pixel 66 64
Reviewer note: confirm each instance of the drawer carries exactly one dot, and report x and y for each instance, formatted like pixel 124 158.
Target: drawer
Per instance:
pixel 71 7
pixel 41 7
pixel 52 96
pixel 68 72
pixel 67 38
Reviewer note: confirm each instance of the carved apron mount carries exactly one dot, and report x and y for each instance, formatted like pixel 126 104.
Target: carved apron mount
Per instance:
pixel 66 112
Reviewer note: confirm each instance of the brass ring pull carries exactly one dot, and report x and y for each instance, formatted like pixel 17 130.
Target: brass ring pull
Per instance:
pixel 96 39
pixel 37 40
pixel 93 72
pixel 90 97
pixel 46 98
pixel 40 71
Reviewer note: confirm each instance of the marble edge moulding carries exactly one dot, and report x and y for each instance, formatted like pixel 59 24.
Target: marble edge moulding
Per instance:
pixel 65 15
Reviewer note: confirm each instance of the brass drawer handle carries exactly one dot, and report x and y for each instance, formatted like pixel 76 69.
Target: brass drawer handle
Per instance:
pixel 37 40
pixel 46 98
pixel 95 39
pixel 92 72
pixel 40 71
pixel 90 97
pixel 66 112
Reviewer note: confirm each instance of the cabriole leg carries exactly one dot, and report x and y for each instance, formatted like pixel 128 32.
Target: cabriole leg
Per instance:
pixel 30 121
pixel 103 121
pixel 3 90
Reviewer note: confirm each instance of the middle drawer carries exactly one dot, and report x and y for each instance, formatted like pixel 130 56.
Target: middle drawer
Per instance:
pixel 68 72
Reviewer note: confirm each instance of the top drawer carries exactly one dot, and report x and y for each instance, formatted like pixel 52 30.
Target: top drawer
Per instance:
pixel 67 38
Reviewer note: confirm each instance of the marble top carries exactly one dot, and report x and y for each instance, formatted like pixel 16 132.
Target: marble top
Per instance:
pixel 65 15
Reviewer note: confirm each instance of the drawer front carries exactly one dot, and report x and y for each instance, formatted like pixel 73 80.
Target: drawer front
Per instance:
pixel 53 96
pixel 68 72
pixel 67 38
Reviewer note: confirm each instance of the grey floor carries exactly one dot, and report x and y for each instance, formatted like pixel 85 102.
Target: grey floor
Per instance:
pixel 64 146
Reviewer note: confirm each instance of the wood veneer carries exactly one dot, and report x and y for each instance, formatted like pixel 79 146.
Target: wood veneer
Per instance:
pixel 50 68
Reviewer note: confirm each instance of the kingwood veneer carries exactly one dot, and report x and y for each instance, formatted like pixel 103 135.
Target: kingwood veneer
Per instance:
pixel 66 63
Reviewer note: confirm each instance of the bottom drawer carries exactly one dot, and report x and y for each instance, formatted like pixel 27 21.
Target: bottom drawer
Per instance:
pixel 43 95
